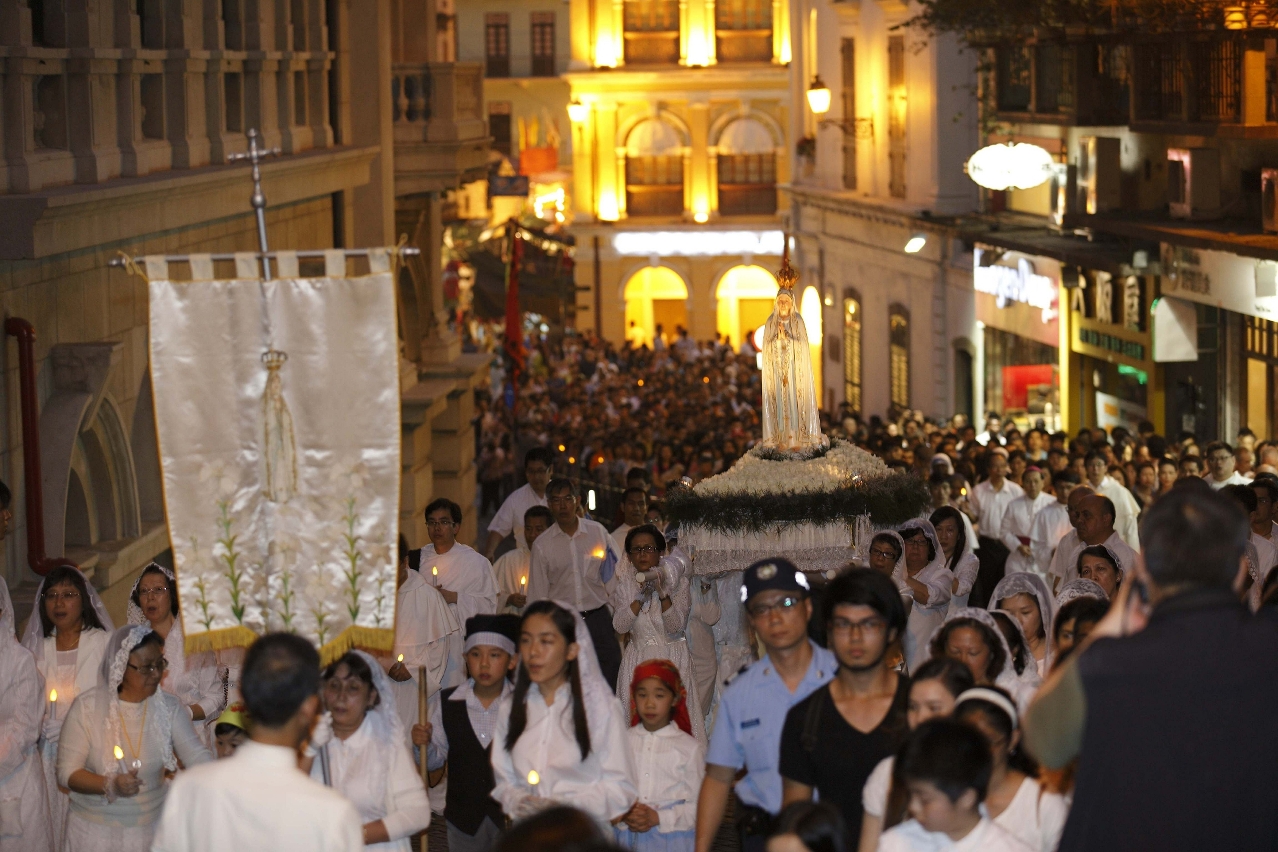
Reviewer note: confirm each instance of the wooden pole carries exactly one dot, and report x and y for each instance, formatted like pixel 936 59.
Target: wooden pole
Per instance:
pixel 423 716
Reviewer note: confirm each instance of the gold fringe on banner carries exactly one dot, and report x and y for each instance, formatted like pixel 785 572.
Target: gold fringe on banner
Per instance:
pixel 365 638
pixel 219 640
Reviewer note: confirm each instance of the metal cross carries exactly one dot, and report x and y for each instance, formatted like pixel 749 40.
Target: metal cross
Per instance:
pixel 254 155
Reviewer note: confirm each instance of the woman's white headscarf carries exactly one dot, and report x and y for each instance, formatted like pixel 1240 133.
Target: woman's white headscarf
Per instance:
pixel 114 663
pixel 1025 583
pixel 33 636
pixel 1080 588
pixel 389 727
pixel 133 612
pixel 930 532
pixel 595 691
pixel 1007 677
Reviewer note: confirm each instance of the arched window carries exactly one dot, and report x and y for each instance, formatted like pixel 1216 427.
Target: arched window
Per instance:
pixel 852 349
pixel 747 166
pixel 899 357
pixel 654 170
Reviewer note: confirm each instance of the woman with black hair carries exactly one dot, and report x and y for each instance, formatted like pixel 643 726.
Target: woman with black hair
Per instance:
pixel 67 634
pixel 930 583
pixel 809 827
pixel 560 738
pixel 1015 799
pixel 951 532
pixel 1099 564
pixel 192 678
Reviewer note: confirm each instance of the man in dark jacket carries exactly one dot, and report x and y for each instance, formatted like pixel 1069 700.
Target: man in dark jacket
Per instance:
pixel 1171 703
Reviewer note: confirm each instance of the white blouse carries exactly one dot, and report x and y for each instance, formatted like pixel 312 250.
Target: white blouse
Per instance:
pixel 193 679
pixel 669 765
pixel 69 672
pixel 1035 816
pixel 24 810
pixel 84 746
pixel 381 781
pixel 602 785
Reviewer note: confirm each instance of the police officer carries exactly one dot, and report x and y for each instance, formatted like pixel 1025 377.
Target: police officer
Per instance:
pixel 747 731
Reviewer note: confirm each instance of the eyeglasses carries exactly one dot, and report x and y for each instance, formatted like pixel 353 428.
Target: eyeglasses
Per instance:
pixel 868 626
pixel 644 549
pixel 782 605
pixel 64 596
pixel 916 542
pixel 153 593
pixel 436 524
pixel 883 554
pixel 154 668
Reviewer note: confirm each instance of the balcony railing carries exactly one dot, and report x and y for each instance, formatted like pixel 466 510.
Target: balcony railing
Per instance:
pixel 438 101
pixel 651 31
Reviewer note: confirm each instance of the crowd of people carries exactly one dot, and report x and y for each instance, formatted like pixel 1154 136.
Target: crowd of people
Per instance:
pixel 955 686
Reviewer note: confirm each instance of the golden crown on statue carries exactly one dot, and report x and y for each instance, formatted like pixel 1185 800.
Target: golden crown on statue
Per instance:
pixel 273 359
pixel 786 276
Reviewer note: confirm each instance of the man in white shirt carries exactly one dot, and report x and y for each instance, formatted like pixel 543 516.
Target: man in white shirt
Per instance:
pixel 462 575
pixel 1125 522
pixel 989 501
pixel 993 431
pixel 1095 526
pixel 1018 521
pixel 634 506
pixel 511 568
pixel 575 561
pixel 1220 466
pixel 257 800
pixel 538 464
pixel 1053 521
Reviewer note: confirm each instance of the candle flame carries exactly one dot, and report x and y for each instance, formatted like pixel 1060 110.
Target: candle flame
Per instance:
pixel 533 778
pixel 401 658
pixel 119 753
pixel 53 695
pixel 523 581
pixel 434 570
pixel 598 553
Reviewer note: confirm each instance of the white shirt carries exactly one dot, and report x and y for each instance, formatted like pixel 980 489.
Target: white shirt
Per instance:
pixel 602 785
pixel 464 571
pixel 1064 562
pixel 925 618
pixel 669 765
pixel 508 570
pixel 428 635
pixel 1266 556
pixel 619 536
pixel 988 836
pixel 1018 523
pixel 510 517
pixel 1235 478
pixel 568 569
pixel 1035 816
pixel 1126 510
pixel 991 505
pixel 1049 527
pixel 381 781
pixel 257 800
pixel 24 808
pixel 964 571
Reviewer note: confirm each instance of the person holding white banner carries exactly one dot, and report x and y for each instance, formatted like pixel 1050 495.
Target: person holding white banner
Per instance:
pixel 462 575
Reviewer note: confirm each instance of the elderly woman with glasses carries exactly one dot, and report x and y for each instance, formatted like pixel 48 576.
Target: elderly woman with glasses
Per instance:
pixel 193 678
pixel 120 740
pixel 654 617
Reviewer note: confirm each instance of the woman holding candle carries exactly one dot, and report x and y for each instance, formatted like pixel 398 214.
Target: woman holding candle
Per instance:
pixel 367 752
pixel 119 740
pixel 67 634
pixel 192 678
pixel 24 802
pixel 560 738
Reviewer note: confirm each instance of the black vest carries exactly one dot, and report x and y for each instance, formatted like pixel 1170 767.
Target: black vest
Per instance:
pixel 470 771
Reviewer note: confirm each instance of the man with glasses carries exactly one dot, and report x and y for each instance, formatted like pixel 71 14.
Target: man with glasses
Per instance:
pixel 833 739
pixel 1220 466
pixel 752 710
pixel 539 463
pixel 575 561
pixel 462 575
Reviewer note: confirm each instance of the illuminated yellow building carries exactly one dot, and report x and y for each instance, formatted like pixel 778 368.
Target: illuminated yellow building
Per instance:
pixel 680 113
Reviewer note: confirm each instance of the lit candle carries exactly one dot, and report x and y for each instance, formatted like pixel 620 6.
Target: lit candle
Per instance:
pixel 53 702
pixel 434 570
pixel 523 581
pixel 533 780
pixel 400 659
pixel 598 553
pixel 119 756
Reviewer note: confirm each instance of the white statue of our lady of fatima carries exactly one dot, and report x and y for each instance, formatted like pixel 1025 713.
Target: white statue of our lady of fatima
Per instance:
pixel 790 420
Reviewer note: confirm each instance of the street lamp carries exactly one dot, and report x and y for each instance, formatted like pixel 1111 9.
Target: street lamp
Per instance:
pixel 915 244
pixel 819 99
pixel 578 112
pixel 819 96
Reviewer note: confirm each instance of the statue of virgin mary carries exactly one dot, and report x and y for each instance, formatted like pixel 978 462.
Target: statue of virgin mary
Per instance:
pixel 790 420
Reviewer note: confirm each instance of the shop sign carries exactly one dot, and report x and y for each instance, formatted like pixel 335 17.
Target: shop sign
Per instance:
pixel 1111 343
pixel 1019 283
pixel 1222 279
pixel 1112 302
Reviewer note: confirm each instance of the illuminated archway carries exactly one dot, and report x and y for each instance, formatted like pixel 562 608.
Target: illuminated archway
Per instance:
pixel 810 310
pixel 655 295
pixel 745 296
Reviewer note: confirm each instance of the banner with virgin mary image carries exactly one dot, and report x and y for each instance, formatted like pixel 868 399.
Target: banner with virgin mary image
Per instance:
pixel 277 411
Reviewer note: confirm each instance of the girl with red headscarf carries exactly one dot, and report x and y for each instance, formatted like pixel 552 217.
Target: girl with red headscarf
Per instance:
pixel 668 761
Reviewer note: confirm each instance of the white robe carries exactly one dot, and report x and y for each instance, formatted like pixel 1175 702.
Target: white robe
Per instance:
pixel 511 567
pixel 466 572
pixel 194 679
pixel 1018 528
pixel 427 634
pixel 704 615
pixel 1050 526
pixel 1065 560
pixel 925 618
pixel 964 571
pixel 1126 510
pixel 24 802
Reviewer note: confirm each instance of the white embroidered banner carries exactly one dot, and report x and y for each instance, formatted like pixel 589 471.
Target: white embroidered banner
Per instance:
pixel 277 409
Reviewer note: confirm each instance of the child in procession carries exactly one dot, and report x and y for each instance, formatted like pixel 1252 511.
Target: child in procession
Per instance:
pixel 462 724
pixel 560 737
pixel 668 761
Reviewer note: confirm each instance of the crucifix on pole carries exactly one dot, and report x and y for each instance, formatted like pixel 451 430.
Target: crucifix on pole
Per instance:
pixel 254 155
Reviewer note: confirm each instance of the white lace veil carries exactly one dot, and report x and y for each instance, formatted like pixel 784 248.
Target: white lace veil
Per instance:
pixel 33 636
pixel 1079 588
pixel 1025 583
pixel 133 612
pixel 594 687
pixel 389 727
pixel 930 532
pixel 1005 678
pixel 114 662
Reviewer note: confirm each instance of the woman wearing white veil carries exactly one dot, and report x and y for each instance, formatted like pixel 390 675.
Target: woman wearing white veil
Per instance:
pixel 922 569
pixel 1025 597
pixel 120 740
pixel 367 754
pixel 996 665
pixel 193 678
pixel 560 736
pixel 24 801
pixel 790 419
pixel 67 634
pixel 1079 588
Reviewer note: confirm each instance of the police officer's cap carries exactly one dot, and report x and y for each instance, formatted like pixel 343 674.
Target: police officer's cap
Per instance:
pixel 776 573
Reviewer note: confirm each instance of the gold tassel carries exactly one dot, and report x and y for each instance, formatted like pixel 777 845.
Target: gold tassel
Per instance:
pixel 219 640
pixel 371 639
